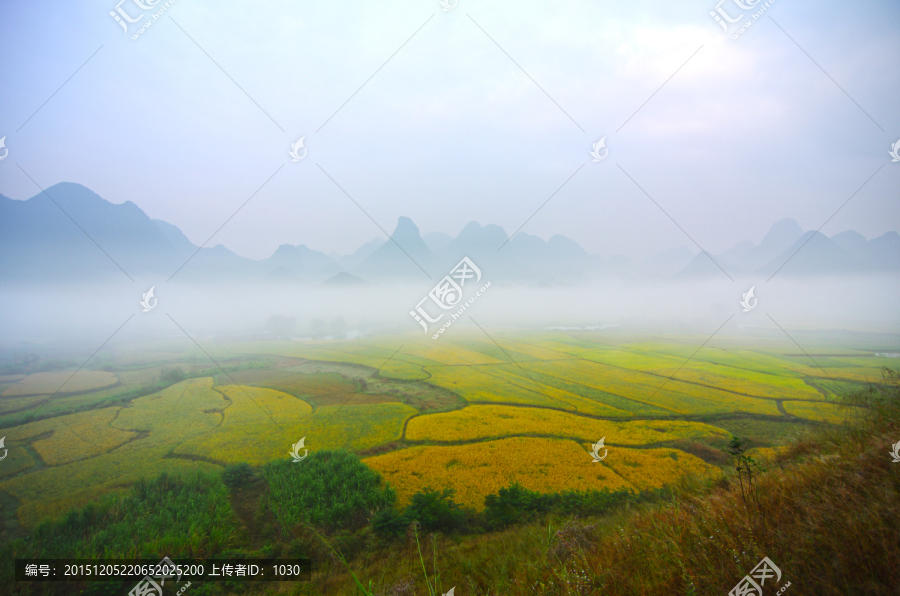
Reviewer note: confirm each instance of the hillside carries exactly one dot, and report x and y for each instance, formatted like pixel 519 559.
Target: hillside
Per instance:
pixel 823 509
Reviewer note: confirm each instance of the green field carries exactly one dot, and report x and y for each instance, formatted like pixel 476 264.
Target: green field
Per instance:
pixel 145 410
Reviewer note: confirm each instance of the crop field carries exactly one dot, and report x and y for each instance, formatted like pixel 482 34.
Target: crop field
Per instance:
pixel 354 427
pixel 463 413
pixel 546 465
pixel 51 382
pixel 491 422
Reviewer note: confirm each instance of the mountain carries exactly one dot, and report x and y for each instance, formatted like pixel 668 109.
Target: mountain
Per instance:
pixel 175 237
pixel 437 241
pixel 789 251
pixel 405 256
pixel 63 233
pixel 351 261
pixel 878 254
pixel 781 236
pixel 344 279
pixel 70 234
pixel 812 254
pixel 298 263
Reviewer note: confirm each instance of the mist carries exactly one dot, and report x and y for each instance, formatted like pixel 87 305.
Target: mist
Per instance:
pixel 82 318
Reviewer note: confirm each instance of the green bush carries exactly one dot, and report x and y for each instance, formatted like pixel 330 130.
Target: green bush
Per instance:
pixel 515 504
pixel 330 490
pixel 171 376
pixel 237 475
pixel 436 510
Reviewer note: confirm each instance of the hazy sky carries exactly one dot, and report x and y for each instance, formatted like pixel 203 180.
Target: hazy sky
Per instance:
pixel 450 130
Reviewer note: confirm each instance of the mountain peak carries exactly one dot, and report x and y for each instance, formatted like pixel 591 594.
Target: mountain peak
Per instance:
pixel 405 230
pixel 784 231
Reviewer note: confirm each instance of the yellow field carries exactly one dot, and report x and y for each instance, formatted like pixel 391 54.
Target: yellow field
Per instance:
pixel 174 415
pixel 78 436
pixel 356 428
pixel 655 468
pixel 17 459
pixel 818 411
pixel 676 396
pixel 12 404
pixel 477 470
pixel 48 383
pixel 494 384
pixel 485 422
pixel 556 390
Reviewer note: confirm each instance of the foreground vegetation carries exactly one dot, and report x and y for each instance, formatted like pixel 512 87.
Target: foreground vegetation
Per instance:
pixel 824 510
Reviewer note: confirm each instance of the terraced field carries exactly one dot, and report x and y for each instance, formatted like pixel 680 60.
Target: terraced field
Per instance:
pixel 547 465
pixel 491 422
pixel 65 382
pixel 465 412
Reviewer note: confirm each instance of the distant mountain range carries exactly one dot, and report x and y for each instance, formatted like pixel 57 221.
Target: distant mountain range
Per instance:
pixel 39 243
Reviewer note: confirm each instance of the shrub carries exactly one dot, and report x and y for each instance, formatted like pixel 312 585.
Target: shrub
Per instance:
pixel 514 504
pixel 330 490
pixel 436 510
pixel 237 475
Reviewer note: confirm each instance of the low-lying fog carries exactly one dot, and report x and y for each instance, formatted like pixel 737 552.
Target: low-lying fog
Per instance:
pixel 84 317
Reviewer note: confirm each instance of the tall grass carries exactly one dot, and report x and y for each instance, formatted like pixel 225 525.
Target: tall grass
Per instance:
pixel 328 490
pixel 172 515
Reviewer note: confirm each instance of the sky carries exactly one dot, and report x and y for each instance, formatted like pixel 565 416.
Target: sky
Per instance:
pixel 485 112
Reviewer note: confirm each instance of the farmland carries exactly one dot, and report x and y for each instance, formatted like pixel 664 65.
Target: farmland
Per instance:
pixel 464 413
